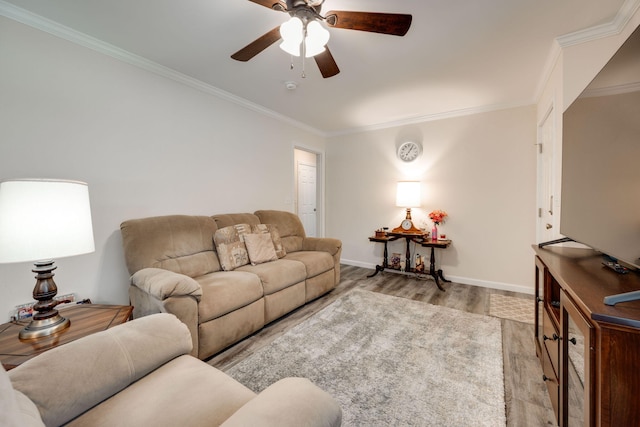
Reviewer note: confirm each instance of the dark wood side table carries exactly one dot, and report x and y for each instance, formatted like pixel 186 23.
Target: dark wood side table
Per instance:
pixel 420 240
pixel 86 319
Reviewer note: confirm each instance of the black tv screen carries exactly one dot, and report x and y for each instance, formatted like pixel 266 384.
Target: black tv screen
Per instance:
pixel 600 204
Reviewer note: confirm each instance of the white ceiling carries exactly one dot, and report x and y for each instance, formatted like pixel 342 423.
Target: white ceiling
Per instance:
pixel 458 56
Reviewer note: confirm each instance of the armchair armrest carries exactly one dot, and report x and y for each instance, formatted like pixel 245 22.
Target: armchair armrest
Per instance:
pixel 163 284
pixel 290 402
pixel 325 244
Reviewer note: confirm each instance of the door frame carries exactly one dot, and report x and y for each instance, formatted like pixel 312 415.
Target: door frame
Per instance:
pixel 552 180
pixel 320 185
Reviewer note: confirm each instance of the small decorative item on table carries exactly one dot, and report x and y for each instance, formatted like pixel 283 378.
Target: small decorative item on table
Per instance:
pixel 437 217
pixel 380 233
pixel 395 261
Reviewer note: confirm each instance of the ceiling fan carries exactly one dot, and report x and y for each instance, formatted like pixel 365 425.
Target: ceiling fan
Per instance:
pixel 308 12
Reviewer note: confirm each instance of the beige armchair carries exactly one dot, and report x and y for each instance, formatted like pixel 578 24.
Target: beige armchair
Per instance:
pixel 140 374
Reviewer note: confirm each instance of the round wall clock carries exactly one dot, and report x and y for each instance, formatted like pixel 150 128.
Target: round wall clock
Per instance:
pixel 409 151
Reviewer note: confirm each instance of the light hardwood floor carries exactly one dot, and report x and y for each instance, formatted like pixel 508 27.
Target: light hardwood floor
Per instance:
pixel 527 401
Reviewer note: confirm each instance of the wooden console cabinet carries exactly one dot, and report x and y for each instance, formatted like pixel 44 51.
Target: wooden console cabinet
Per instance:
pixel 589 351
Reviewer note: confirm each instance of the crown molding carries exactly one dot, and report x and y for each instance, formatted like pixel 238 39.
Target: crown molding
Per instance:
pixel 614 27
pixel 54 28
pixel 622 18
pixel 611 90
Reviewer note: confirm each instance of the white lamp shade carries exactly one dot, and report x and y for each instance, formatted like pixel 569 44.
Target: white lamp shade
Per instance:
pixel 291 33
pixel 44 219
pixel 408 194
pixel 317 38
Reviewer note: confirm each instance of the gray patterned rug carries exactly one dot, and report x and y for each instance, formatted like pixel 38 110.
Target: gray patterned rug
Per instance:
pixel 391 361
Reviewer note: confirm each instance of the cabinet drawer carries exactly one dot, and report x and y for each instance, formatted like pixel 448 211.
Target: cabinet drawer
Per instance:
pixel 551 341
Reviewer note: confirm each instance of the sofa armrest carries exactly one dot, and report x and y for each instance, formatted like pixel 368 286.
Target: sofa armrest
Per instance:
pixel 68 380
pixel 290 402
pixel 325 244
pixel 163 284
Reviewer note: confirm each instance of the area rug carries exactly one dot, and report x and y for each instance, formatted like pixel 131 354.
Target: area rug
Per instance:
pixel 391 361
pixel 512 308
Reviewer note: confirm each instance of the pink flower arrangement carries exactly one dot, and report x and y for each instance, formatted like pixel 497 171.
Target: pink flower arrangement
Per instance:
pixel 438 216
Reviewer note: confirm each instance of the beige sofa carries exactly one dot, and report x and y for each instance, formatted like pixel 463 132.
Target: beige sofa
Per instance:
pixel 140 374
pixel 192 267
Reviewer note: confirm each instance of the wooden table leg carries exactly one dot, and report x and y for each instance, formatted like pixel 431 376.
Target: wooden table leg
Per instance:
pixel 385 261
pixel 407 263
pixel 437 275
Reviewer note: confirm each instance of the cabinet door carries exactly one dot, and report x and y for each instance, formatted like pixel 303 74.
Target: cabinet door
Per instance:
pixel 577 367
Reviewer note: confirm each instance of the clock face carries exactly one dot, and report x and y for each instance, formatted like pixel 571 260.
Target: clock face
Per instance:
pixel 409 151
pixel 406 224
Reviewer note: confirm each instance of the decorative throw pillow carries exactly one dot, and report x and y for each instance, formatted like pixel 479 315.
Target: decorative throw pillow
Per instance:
pixel 260 248
pixel 230 246
pixel 275 237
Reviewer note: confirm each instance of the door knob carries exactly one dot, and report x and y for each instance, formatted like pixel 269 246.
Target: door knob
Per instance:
pixel 548 226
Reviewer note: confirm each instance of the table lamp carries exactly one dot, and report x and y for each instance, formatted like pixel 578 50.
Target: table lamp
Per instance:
pixel 408 196
pixel 41 219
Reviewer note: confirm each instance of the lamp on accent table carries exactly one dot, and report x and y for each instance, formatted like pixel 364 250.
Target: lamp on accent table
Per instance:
pixel 41 219
pixel 408 196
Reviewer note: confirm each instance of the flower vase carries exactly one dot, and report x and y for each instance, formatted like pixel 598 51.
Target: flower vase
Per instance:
pixel 434 232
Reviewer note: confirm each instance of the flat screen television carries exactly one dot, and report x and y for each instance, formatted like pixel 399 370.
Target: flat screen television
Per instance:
pixel 600 204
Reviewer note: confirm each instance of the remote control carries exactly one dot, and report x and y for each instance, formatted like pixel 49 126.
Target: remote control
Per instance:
pixel 616 267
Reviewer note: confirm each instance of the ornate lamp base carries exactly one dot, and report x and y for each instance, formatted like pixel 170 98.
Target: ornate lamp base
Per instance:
pixel 47 320
pixel 44 327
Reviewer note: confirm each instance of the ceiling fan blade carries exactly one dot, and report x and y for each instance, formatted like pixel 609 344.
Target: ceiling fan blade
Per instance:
pixel 396 24
pixel 326 64
pixel 272 4
pixel 258 45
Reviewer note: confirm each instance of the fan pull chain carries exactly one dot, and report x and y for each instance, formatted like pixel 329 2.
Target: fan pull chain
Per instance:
pixel 304 50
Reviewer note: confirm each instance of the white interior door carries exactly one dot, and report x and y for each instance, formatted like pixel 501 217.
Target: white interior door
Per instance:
pixel 307 209
pixel 547 223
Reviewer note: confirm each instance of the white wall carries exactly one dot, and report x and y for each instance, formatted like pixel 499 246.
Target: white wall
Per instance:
pixel 146 146
pixel 574 68
pixel 481 169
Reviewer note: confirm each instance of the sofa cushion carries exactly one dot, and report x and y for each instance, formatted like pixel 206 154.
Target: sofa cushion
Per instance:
pixel 179 243
pixel 278 274
pixel 275 237
pixel 230 246
pixel 119 356
pixel 226 291
pixel 260 248
pixel 15 408
pixel 316 262
pixel 183 392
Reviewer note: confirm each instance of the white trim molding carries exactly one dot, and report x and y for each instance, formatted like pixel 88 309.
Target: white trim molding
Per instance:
pixel 457 279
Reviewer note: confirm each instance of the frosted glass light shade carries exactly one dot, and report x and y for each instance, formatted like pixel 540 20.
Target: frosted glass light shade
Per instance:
pixel 408 194
pixel 43 219
pixel 317 38
pixel 291 33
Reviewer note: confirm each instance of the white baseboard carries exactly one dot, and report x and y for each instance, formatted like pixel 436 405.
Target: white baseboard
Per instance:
pixel 462 280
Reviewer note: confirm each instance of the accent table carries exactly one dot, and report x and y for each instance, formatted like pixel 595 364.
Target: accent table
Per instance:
pixel 86 319
pixel 418 239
